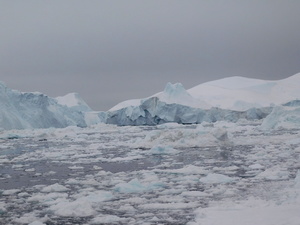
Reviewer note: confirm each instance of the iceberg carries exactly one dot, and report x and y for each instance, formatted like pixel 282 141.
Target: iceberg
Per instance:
pixel 19 110
pixel 175 104
pixel 228 99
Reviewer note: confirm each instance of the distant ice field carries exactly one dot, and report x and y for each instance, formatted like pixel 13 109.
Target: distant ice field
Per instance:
pixel 166 174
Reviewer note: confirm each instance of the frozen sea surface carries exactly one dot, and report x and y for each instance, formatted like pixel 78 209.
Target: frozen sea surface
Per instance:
pixel 221 173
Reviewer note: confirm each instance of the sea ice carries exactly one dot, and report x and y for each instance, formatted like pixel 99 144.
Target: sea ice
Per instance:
pixel 214 178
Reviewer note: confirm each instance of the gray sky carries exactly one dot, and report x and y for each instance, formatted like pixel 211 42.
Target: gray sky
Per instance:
pixel 110 51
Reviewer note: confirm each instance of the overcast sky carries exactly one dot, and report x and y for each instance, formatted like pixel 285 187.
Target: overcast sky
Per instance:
pixel 110 51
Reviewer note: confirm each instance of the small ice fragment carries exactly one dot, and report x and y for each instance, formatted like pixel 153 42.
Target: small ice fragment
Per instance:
pixel 76 167
pixel 215 178
pixel 55 188
pixel 11 192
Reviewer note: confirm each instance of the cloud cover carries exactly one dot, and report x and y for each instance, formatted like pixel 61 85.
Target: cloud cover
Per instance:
pixel 110 51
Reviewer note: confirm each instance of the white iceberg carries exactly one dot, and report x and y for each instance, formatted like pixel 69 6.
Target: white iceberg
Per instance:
pixel 20 110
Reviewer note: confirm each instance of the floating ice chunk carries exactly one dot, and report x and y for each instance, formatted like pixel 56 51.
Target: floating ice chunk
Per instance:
pixel 30 170
pixel 77 208
pixel 49 173
pixel 97 167
pixel 76 167
pixel 162 150
pixel 220 134
pixel 83 206
pixel 214 178
pixel 176 138
pixel 30 219
pixel 256 167
pixel 96 196
pixel 135 185
pixel 55 188
pixel 11 192
pixel 274 173
pixel 127 208
pixel 2 161
pixel 48 199
pixel 107 219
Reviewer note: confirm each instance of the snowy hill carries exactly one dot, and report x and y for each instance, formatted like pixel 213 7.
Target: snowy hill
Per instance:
pixel 225 99
pixel 35 110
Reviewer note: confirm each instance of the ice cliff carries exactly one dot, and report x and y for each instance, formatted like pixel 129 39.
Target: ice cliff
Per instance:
pixel 35 110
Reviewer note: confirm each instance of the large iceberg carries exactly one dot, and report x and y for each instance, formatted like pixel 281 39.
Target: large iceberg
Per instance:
pixel 20 110
pixel 175 104
pixel 227 99
pixel 153 111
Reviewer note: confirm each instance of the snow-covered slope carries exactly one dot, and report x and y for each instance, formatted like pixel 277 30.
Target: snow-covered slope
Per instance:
pixel 35 110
